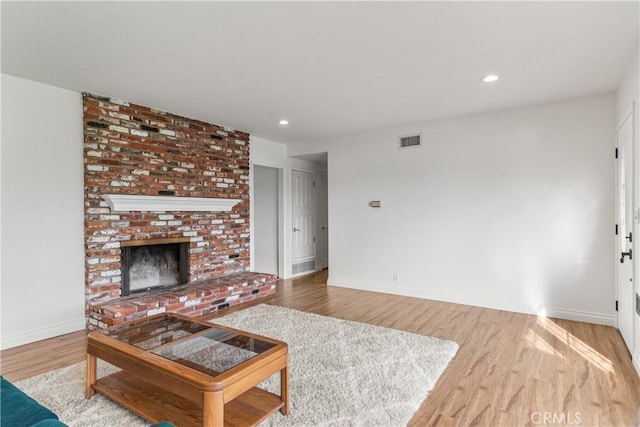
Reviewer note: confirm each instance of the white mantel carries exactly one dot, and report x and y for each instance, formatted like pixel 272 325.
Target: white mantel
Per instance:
pixel 132 203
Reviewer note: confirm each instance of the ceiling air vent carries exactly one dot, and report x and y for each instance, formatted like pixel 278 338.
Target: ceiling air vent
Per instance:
pixel 409 141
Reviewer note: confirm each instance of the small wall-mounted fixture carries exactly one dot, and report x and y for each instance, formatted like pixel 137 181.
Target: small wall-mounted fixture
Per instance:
pixel 375 203
pixel 409 141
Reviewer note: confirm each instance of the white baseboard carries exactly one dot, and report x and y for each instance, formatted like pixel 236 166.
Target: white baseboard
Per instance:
pixel 582 316
pixel 33 335
pixel 636 361
pixel 473 300
pixel 304 273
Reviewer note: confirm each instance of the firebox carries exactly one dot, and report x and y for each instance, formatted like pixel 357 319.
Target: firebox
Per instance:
pixel 155 263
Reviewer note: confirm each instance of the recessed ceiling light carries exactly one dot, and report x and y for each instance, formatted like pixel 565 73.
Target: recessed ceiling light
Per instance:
pixel 490 78
pixel 283 122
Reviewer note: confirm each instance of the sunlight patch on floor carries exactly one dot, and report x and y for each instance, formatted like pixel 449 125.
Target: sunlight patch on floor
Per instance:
pixel 578 346
pixel 539 343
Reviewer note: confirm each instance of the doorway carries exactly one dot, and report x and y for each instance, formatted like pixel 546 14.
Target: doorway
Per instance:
pixel 309 213
pixel 266 219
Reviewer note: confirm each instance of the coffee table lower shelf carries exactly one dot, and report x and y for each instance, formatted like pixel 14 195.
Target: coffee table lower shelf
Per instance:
pixel 156 404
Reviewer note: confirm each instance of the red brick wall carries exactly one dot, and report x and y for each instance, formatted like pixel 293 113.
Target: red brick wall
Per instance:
pixel 131 149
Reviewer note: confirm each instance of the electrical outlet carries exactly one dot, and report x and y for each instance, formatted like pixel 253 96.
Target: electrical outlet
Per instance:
pixel 396 277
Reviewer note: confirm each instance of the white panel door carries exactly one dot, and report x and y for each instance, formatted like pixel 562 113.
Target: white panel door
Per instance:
pixel 625 229
pixel 303 201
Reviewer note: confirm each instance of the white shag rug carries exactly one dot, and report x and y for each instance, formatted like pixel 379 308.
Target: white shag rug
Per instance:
pixel 341 373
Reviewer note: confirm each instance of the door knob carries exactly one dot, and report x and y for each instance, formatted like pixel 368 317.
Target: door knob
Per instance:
pixel 624 254
pixel 324 228
pixel 296 229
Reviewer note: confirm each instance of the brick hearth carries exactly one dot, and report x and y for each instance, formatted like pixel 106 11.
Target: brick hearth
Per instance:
pixel 195 299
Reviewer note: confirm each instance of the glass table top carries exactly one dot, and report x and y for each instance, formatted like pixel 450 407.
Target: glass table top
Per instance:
pixel 209 349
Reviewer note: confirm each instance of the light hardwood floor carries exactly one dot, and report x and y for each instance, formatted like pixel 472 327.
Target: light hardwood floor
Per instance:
pixel 511 369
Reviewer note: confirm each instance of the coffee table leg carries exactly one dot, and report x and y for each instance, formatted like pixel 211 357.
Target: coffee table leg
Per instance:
pixel 284 390
pixel 213 409
pixel 92 366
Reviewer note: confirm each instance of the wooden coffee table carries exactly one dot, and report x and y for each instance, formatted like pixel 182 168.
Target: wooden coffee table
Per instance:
pixel 188 372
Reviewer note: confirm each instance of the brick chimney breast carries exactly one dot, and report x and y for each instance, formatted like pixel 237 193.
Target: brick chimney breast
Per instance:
pixel 135 150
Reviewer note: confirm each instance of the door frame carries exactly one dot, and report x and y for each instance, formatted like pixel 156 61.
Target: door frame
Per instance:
pixel 634 164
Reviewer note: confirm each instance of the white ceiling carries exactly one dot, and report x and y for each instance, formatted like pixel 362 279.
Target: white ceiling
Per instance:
pixel 330 68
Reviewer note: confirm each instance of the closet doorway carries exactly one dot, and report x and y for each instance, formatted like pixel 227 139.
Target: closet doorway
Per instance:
pixel 266 193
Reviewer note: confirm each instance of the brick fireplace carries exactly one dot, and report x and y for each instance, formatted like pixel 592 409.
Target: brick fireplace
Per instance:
pixel 135 151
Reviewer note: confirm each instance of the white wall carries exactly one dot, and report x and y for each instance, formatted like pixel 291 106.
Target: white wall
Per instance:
pixel 42 212
pixel 268 153
pixel 628 93
pixel 510 210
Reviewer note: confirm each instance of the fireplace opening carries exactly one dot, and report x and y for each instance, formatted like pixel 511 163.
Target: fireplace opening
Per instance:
pixel 153 264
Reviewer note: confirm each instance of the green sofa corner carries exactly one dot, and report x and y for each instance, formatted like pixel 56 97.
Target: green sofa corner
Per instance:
pixel 17 409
